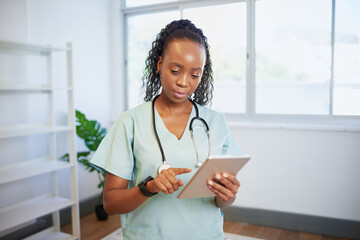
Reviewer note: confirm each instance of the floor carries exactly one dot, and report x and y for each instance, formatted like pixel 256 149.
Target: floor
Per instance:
pixel 92 229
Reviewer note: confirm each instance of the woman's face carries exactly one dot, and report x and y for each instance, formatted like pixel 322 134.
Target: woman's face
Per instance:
pixel 181 68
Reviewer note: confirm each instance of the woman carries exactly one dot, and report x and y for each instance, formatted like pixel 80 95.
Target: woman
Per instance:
pixel 178 82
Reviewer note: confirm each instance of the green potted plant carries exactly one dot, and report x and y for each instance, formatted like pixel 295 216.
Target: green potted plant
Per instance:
pixel 92 133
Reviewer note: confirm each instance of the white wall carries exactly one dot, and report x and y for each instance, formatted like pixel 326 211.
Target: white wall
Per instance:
pixel 13 17
pixel 301 171
pixel 85 23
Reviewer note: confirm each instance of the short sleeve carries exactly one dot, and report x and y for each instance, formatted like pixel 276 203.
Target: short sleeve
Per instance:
pixel 115 153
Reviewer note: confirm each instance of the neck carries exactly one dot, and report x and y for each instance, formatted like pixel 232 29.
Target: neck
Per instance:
pixel 163 104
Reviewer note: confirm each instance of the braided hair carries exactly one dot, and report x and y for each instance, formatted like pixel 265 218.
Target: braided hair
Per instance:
pixel 177 30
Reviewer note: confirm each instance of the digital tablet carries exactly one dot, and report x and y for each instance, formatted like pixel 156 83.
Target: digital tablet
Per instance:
pixel 197 186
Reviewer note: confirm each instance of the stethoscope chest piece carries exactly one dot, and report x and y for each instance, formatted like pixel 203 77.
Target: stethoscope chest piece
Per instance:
pixel 164 166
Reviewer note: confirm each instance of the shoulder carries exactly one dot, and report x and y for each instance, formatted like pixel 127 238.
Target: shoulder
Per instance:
pixel 210 114
pixel 138 113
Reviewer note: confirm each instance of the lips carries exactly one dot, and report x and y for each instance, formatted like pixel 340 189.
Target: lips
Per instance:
pixel 179 94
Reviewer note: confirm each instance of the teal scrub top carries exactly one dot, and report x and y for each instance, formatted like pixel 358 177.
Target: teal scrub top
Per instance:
pixel 130 151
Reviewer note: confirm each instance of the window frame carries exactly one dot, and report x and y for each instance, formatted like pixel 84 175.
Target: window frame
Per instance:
pixel 250 117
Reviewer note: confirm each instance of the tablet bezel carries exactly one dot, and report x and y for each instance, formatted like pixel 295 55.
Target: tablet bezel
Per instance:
pixel 197 186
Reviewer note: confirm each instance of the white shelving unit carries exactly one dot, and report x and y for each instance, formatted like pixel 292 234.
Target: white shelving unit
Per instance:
pixel 14 215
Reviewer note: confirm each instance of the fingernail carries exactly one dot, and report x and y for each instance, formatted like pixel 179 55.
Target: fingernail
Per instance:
pixel 217 176
pixel 225 175
pixel 210 182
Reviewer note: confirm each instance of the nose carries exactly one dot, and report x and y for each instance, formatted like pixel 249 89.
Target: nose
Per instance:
pixel 183 81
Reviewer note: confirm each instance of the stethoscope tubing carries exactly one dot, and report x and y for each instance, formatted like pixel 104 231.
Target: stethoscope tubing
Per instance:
pixel 155 131
pixel 165 165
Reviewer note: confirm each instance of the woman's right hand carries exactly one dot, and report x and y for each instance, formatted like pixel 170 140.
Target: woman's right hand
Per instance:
pixel 166 181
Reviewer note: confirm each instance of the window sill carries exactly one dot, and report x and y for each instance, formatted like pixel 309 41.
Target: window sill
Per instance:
pixel 294 126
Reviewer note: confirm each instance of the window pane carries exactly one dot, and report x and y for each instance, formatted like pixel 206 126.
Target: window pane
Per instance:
pixel 347 58
pixel 293 56
pixel 225 28
pixel 136 3
pixel 140 37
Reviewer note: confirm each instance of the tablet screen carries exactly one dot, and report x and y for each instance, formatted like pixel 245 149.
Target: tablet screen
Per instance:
pixel 197 186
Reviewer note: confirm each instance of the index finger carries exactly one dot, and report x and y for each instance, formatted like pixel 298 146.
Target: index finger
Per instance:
pixel 178 171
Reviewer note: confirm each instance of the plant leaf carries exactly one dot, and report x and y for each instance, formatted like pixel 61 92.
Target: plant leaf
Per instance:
pixel 90 131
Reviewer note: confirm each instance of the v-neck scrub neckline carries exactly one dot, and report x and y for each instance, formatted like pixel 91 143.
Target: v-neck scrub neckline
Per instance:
pixel 165 130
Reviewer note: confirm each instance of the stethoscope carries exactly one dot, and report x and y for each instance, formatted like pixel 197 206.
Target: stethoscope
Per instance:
pixel 164 164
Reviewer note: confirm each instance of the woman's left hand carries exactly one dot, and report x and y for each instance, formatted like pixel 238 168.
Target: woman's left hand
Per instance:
pixel 224 185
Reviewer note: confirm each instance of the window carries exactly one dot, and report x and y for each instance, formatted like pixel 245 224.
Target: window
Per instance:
pixel 136 3
pixel 229 60
pixel 140 37
pixel 293 56
pixel 291 60
pixel 225 28
pixel 347 58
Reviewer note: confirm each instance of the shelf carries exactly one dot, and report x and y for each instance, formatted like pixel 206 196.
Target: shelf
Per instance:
pixel 7 132
pixel 29 47
pixel 30 168
pixel 13 217
pixel 31 209
pixel 51 236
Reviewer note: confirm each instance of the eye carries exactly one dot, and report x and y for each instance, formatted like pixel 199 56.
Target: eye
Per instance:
pixel 176 72
pixel 194 76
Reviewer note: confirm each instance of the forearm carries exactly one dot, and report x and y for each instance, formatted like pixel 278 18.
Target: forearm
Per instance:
pixel 223 204
pixel 119 201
